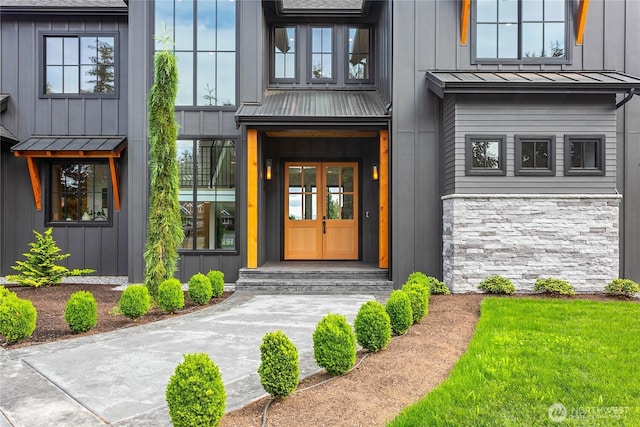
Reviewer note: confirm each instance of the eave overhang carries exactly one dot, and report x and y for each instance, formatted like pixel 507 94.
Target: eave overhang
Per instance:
pixel 64 7
pixel 321 8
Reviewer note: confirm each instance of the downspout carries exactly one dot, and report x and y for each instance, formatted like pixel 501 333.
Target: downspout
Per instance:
pixel 627 98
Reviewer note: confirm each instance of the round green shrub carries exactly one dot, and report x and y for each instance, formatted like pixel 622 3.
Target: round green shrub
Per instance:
pixel 170 295
pixel 622 287
pixel 497 285
pixel 279 367
pixel 17 317
pixel 399 310
pixel 135 301
pixel 419 297
pixel 195 394
pixel 6 293
pixel 216 278
pixel 372 326
pixel 81 312
pixel 334 344
pixel 554 286
pixel 436 287
pixel 200 290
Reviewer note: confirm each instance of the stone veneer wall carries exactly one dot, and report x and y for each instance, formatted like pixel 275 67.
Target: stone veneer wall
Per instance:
pixel 523 237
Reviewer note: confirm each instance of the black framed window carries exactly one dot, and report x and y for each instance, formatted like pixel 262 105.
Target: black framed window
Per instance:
pixel 584 154
pixel 533 30
pixel 486 155
pixel 321 53
pixel 359 53
pixel 79 193
pixel 534 155
pixel 207 197
pixel 79 64
pixel 284 53
pixel 203 33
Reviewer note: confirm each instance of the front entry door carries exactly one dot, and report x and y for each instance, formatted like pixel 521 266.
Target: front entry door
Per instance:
pixel 321 211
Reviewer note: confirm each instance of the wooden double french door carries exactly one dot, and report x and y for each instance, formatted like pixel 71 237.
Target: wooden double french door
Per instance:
pixel 321 211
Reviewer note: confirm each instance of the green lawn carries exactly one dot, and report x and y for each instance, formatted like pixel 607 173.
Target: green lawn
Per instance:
pixel 530 354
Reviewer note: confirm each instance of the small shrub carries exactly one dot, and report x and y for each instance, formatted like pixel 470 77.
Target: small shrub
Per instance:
pixel 279 367
pixel 135 301
pixel 17 317
pixel 622 287
pixel 200 290
pixel 419 297
pixel 195 394
pixel 399 310
pixel 419 278
pixel 170 295
pixel 554 286
pixel 497 285
pixel 81 312
pixel 334 344
pixel 437 287
pixel 6 293
pixel 372 326
pixel 217 282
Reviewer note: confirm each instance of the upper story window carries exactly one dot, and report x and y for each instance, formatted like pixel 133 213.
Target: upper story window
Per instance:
pixel 321 53
pixel 533 30
pixel 79 64
pixel 284 51
pixel 203 33
pixel 359 53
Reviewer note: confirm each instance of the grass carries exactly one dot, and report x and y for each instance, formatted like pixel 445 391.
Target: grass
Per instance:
pixel 529 354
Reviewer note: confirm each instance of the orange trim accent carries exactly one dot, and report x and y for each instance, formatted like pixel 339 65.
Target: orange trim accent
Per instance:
pixel 582 20
pixel 383 219
pixel 35 182
pixel 252 198
pixel 114 183
pixel 464 21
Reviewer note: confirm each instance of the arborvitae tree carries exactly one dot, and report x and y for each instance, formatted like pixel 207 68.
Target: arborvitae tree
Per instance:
pixel 164 230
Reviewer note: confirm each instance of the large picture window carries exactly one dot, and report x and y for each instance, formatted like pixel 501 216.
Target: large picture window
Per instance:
pixel 584 154
pixel 520 30
pixel 207 193
pixel 79 192
pixel 486 155
pixel 82 64
pixel 203 33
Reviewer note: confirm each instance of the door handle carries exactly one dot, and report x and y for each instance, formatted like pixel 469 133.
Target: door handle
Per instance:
pixel 324 225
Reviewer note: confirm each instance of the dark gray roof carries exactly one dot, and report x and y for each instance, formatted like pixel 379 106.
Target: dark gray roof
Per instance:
pixel 6 136
pixel 27 5
pixel 4 101
pixel 55 144
pixel 323 4
pixel 330 106
pixel 442 82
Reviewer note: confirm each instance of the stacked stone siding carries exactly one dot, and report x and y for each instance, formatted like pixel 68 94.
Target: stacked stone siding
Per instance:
pixel 523 237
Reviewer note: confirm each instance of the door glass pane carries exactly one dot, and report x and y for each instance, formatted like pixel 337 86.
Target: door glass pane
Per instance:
pixel 347 179
pixel 347 206
pixel 333 206
pixel 333 177
pixel 309 178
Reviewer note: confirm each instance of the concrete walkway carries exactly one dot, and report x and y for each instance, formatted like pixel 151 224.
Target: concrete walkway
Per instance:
pixel 119 378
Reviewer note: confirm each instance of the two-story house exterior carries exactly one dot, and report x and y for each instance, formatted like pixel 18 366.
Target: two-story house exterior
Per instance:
pixel 461 138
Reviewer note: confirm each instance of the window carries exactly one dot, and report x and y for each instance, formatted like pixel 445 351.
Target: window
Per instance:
pixel 284 47
pixel 486 155
pixel 584 154
pixel 535 155
pixel 321 53
pixel 79 64
pixel 520 30
pixel 79 193
pixel 203 33
pixel 207 193
pixel 359 54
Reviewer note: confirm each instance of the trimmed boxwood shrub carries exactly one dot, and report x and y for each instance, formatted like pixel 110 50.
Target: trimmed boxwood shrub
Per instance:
pixel 17 317
pixel 334 344
pixel 135 301
pixel 81 312
pixel 436 287
pixel 200 290
pixel 195 394
pixel 419 297
pixel 279 366
pixel 372 326
pixel 497 285
pixel 399 310
pixel 622 287
pixel 216 278
pixel 170 295
pixel 554 286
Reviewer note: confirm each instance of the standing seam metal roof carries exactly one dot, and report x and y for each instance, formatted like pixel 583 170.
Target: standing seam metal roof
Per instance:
pixel 71 143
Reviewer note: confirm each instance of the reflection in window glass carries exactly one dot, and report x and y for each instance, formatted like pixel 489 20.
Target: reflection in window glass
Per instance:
pixel 303 192
pixel 584 154
pixel 321 53
pixel 285 53
pixel 359 53
pixel 535 154
pixel 79 192
pixel 486 154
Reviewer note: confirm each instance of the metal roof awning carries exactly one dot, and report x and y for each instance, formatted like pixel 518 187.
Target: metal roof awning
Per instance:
pixel 74 147
pixel 481 82
pixel 7 137
pixel 327 107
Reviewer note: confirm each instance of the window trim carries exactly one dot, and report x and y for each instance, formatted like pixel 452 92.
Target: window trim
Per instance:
pixel 272 55
pixel 470 170
pixel 371 61
pixel 600 170
pixel 42 63
pixel 309 56
pixel 522 171
pixel 566 60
